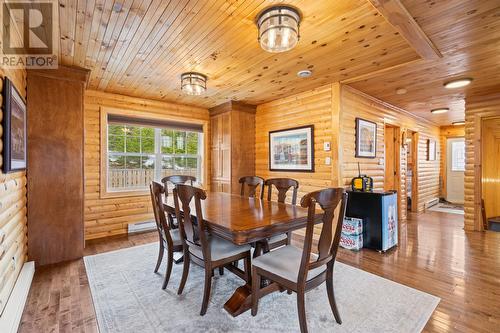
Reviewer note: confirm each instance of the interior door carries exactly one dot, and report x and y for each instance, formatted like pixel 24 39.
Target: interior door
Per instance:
pixel 390 159
pixel 491 166
pixel 455 160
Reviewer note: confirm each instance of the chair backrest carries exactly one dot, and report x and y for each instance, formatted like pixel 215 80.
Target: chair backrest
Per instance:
pixel 156 190
pixel 193 234
pixel 282 185
pixel 329 238
pixel 252 182
pixel 176 180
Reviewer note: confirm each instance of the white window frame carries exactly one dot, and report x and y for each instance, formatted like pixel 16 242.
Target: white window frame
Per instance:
pixel 202 149
pixel 453 157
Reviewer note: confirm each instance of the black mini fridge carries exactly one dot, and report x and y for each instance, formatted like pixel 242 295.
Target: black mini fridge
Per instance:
pixel 379 211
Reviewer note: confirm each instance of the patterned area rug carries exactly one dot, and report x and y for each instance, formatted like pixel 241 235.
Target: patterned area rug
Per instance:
pixel 128 297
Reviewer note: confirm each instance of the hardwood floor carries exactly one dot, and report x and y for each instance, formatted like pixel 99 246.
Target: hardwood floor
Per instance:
pixel 434 255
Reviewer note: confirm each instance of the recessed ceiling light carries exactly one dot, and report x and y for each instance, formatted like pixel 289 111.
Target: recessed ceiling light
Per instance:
pixel 440 110
pixel 458 83
pixel 401 91
pixel 304 73
pixel 458 123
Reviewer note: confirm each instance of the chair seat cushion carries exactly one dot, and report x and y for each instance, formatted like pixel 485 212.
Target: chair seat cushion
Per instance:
pixel 220 249
pixel 277 238
pixel 285 262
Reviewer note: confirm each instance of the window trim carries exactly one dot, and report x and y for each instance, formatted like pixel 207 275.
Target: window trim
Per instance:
pixel 103 156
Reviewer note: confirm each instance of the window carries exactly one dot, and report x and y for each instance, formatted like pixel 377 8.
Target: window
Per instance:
pixel 138 154
pixel 458 156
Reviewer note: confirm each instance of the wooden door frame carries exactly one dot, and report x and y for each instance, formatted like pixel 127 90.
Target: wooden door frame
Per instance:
pixel 397 157
pixel 444 154
pixel 414 177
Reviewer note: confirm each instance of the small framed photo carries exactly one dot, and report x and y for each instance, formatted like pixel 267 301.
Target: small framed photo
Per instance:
pixel 431 150
pixel 366 138
pixel 14 129
pixel 292 149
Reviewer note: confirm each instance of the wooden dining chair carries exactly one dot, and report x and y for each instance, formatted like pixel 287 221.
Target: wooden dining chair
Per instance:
pixel 169 238
pixel 282 185
pixel 252 183
pixel 175 180
pixel 206 250
pixel 299 270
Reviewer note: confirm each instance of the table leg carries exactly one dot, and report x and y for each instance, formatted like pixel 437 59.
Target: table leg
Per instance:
pixel 241 300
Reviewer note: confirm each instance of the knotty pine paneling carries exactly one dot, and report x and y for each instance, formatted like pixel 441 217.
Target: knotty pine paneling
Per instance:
pixel 310 108
pixel 13 222
pixel 356 104
pixel 476 109
pixel 447 132
pixel 110 216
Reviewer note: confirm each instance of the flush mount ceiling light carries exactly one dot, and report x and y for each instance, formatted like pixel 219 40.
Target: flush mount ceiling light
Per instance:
pixel 458 83
pixel 304 73
pixel 278 28
pixel 193 83
pixel 458 123
pixel 440 110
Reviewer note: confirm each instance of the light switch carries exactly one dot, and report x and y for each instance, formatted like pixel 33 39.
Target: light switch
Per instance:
pixel 326 146
pixel 328 160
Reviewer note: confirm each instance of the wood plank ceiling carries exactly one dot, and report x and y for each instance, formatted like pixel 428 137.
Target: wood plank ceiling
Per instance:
pixel 140 48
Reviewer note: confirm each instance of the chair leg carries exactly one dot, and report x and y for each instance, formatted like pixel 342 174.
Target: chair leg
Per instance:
pixel 302 310
pixel 331 297
pixel 221 270
pixel 255 291
pixel 248 268
pixel 170 263
pixel 160 256
pixel 185 271
pixel 258 250
pixel 206 290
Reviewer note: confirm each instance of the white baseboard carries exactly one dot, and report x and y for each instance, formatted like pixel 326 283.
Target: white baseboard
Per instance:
pixel 11 316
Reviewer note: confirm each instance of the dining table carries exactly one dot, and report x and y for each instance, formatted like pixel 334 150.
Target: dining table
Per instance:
pixel 246 220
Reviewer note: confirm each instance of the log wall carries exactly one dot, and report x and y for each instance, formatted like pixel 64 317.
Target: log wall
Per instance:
pixel 13 222
pixel 111 216
pixel 476 109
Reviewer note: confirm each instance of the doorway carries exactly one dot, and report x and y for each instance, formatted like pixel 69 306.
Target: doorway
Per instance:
pixel 490 171
pixel 411 171
pixel 455 170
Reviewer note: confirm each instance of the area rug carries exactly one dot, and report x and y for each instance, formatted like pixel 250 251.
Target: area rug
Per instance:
pixel 128 297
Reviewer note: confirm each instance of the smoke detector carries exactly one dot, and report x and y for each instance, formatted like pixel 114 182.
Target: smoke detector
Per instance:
pixel 304 73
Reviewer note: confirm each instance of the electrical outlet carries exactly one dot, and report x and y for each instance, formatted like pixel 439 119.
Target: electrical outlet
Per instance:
pixel 328 161
pixel 326 146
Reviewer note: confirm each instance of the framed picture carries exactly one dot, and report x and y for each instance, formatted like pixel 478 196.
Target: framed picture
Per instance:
pixel 292 149
pixel 431 150
pixel 14 129
pixel 366 138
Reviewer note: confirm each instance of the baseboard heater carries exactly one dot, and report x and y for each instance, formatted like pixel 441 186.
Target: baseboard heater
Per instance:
pixel 431 203
pixel 141 227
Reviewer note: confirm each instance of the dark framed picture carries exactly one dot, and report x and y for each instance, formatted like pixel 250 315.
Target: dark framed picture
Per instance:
pixel 431 150
pixel 14 129
pixel 366 138
pixel 292 149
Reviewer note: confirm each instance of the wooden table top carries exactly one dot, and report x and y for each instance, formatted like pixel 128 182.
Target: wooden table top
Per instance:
pixel 244 220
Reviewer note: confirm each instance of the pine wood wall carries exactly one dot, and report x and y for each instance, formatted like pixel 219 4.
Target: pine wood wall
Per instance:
pixel 13 228
pixel 476 109
pixel 447 132
pixel 332 109
pixel 310 108
pixel 356 104
pixel 110 216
